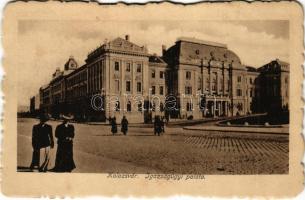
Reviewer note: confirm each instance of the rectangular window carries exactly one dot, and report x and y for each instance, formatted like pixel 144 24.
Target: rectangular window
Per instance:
pixel 128 86
pixel 221 85
pixel 139 68
pixel 239 79
pixel 207 84
pixel 153 89
pixel 139 87
pixel 228 86
pixel 161 75
pixel 116 66
pixel 128 106
pixel 153 73
pixel 188 90
pixel 189 106
pixel 117 85
pixel 128 67
pixel 161 90
pixel 239 92
pixel 188 75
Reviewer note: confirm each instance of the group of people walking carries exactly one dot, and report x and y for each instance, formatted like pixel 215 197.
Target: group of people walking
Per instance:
pixel 114 126
pixel 43 142
pixel 158 125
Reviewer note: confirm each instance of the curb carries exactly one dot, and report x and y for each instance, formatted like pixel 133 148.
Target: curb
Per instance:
pixel 237 131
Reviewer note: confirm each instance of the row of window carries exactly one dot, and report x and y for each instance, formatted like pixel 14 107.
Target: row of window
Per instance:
pixel 139 106
pixel 161 90
pixel 77 79
pixel 214 82
pixel 77 92
pixel 161 74
pixel 128 106
pixel 128 67
pixel 56 88
pixel 95 77
pixel 128 86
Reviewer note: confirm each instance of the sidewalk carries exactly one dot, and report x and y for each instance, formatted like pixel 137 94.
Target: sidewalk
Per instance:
pixel 171 123
pixel 282 130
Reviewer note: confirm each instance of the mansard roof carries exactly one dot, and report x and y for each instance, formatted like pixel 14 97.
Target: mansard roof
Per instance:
pixel 196 52
pixel 275 66
pixel 197 41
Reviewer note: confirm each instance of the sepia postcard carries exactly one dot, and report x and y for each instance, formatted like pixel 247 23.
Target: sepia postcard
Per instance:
pixel 152 100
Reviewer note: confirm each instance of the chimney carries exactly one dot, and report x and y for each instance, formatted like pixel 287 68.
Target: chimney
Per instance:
pixel 127 37
pixel 163 49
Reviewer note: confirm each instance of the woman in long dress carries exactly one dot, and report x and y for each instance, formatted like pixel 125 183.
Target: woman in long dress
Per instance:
pixel 64 156
pixel 124 125
pixel 114 127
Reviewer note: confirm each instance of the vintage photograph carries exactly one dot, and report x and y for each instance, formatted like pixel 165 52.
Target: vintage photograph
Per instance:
pixel 154 96
pixel 152 100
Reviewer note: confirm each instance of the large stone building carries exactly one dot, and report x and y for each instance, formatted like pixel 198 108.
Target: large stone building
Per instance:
pixel 207 79
pixel 193 79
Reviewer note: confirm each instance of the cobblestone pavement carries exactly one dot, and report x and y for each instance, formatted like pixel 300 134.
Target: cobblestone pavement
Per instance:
pixel 242 146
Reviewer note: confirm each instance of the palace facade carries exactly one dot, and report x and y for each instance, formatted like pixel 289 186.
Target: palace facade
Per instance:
pixel 193 79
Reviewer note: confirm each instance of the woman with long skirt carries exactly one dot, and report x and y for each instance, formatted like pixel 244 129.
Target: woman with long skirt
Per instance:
pixel 64 156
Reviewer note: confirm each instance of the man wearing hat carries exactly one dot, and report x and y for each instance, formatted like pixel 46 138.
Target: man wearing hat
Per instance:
pixel 64 156
pixel 42 141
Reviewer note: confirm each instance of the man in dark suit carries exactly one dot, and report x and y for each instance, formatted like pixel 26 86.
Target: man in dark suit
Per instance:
pixel 42 141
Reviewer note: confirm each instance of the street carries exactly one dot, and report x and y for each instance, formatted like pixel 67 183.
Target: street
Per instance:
pixel 177 151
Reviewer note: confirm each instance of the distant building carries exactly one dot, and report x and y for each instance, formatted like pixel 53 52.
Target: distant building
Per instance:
pixel 35 104
pixel 192 79
pixel 274 86
pixel 252 90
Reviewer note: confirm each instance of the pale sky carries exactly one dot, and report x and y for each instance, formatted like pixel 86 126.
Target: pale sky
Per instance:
pixel 45 45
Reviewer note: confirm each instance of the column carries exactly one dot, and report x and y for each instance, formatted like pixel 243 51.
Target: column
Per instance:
pixel 220 108
pixel 123 87
pixel 210 82
pixel 226 108
pixel 217 82
pixel 214 107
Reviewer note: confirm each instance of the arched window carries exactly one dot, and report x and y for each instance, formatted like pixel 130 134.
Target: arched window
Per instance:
pixel 117 106
pixel 161 107
pixel 140 107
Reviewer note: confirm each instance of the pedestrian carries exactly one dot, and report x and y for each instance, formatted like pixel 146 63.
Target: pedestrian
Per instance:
pixel 42 141
pixel 124 125
pixel 162 124
pixel 110 120
pixel 114 128
pixel 157 126
pixel 64 156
